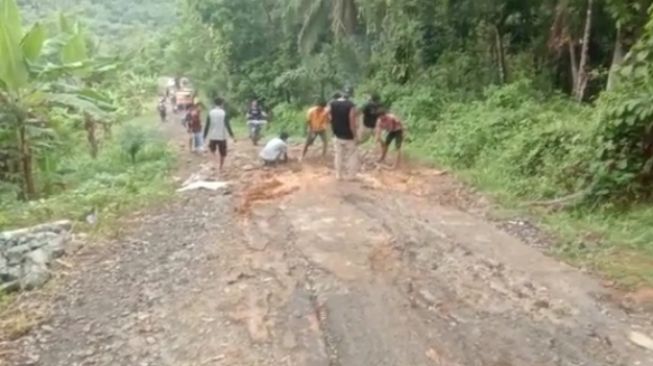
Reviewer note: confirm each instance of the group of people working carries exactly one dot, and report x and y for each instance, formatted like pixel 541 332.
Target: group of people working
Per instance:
pixel 343 116
pixel 340 114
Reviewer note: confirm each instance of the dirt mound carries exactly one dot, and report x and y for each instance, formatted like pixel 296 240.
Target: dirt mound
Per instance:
pixel 267 190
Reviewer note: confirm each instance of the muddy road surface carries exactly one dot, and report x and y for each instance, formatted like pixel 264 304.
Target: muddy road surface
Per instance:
pixel 291 267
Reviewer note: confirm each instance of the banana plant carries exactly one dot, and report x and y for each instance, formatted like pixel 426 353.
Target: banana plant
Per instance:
pixel 37 72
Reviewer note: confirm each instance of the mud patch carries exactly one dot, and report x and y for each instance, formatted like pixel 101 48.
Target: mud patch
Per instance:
pixel 268 190
pixel 273 185
pixel 384 258
pixel 640 300
pixel 253 313
pixel 420 184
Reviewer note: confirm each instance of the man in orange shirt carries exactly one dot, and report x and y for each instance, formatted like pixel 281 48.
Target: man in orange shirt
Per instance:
pixel 317 121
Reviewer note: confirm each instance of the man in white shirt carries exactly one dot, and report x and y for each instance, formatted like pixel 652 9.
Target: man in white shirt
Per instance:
pixel 276 150
pixel 216 130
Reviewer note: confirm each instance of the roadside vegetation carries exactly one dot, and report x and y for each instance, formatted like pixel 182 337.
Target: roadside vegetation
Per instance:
pixel 71 145
pixel 112 25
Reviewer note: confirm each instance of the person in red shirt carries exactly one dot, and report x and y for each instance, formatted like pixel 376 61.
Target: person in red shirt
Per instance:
pixel 193 123
pixel 394 131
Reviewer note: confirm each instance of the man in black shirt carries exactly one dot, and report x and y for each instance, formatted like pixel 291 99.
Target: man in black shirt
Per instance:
pixel 256 120
pixel 343 114
pixel 371 111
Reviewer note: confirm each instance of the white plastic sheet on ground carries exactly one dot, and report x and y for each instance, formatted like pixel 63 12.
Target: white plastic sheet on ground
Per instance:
pixel 200 180
pixel 203 184
pixel 641 340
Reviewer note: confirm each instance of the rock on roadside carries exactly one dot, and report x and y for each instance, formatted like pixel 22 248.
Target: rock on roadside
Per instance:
pixel 26 254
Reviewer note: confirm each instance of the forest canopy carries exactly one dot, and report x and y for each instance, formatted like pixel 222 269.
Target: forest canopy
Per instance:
pixel 110 20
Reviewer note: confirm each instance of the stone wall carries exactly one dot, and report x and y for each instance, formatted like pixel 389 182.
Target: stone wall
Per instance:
pixel 27 254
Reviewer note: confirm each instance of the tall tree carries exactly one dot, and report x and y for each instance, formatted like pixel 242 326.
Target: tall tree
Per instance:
pixel 341 15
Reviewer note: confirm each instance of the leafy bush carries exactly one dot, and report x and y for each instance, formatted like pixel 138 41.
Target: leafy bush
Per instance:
pixel 535 144
pixel 623 161
pixel 107 185
pixel 132 139
pixel 288 118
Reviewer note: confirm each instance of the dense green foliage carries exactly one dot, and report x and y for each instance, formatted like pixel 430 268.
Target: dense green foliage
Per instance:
pixel 113 22
pixel 64 144
pixel 76 185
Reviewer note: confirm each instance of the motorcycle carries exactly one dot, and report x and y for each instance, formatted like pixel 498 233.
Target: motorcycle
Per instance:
pixel 255 128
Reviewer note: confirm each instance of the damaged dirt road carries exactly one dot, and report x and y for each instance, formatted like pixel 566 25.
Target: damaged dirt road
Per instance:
pixel 293 268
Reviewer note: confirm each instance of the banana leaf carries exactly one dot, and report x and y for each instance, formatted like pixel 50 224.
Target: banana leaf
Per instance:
pixel 76 102
pixel 13 71
pixel 33 41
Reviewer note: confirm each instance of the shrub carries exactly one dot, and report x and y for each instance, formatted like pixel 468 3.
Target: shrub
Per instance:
pixel 536 145
pixel 289 118
pixel 112 182
pixel 623 159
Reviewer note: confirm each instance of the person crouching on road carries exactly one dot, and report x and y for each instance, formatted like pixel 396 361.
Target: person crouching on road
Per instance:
pixel 275 151
pixel 216 130
pixel 317 121
pixel 395 131
pixel 193 123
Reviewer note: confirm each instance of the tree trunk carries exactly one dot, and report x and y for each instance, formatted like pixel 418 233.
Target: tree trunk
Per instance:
pixel 106 128
pixel 573 60
pixel 89 125
pixel 29 188
pixel 617 60
pixel 501 55
pixel 583 76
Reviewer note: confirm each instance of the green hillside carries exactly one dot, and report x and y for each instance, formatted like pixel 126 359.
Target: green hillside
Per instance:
pixel 111 20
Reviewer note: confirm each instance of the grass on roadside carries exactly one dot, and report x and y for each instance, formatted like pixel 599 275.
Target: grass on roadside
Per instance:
pixel 616 244
pixel 131 169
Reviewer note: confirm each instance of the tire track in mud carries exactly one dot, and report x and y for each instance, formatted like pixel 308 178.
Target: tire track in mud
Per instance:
pixel 584 337
pixel 458 311
pixel 309 279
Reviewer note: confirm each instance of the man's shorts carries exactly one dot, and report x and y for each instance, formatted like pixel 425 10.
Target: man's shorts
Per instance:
pixel 313 135
pixel 219 145
pixel 396 136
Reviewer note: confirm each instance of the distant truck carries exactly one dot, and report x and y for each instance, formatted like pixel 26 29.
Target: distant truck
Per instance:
pixel 184 99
